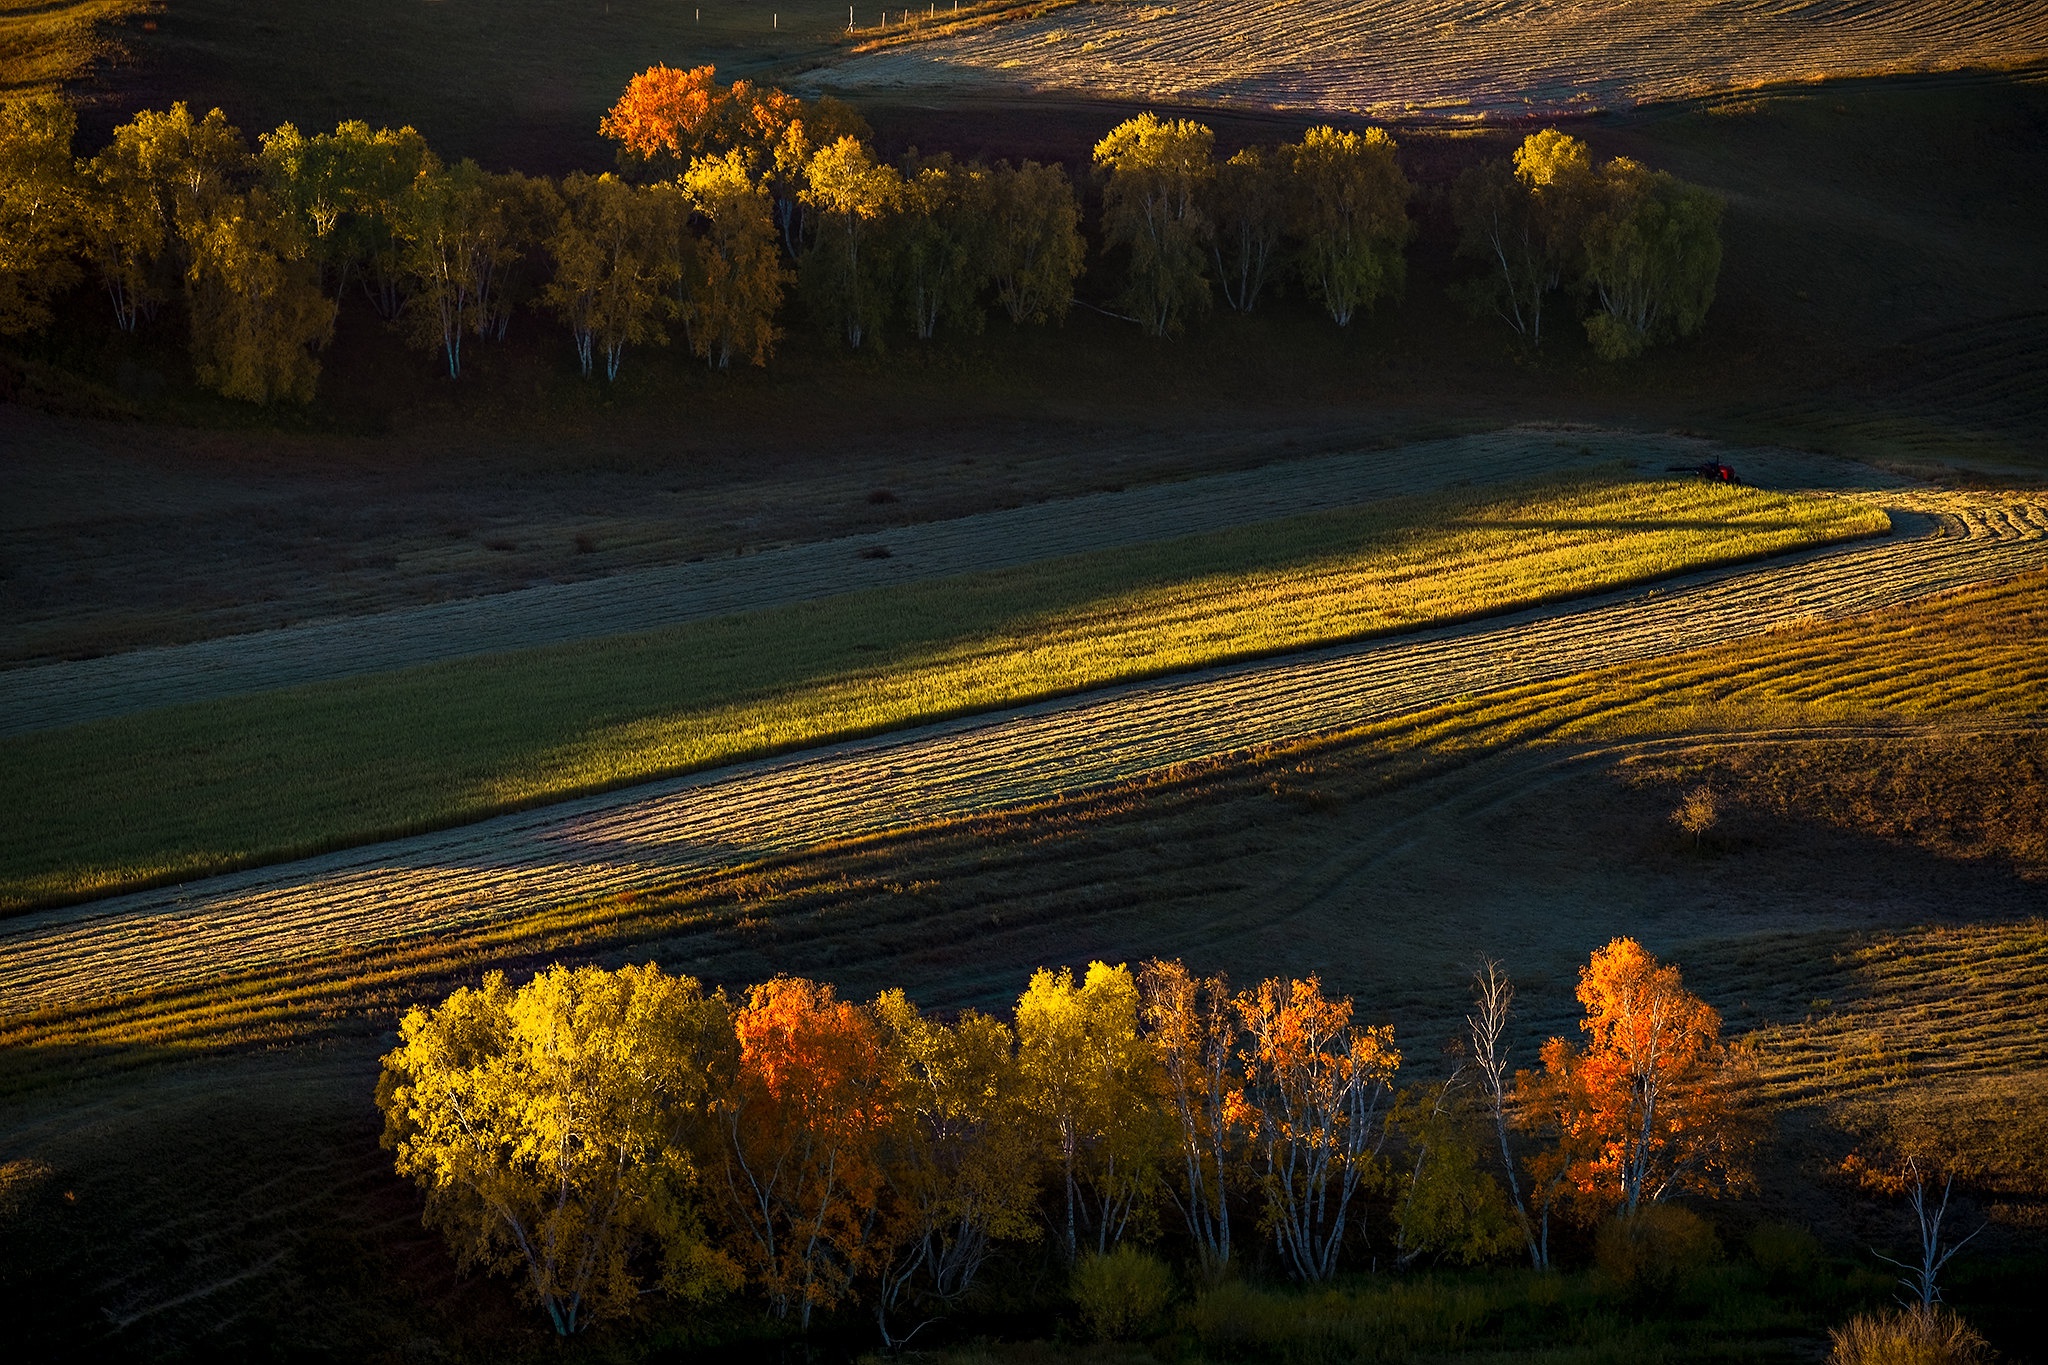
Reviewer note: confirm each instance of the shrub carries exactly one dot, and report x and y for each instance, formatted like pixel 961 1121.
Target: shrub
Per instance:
pixel 1121 1293
pixel 1786 1253
pixel 1914 1336
pixel 1655 1250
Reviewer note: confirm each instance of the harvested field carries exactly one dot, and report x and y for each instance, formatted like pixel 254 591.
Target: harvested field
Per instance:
pixel 1460 59
pixel 47 696
pixel 652 836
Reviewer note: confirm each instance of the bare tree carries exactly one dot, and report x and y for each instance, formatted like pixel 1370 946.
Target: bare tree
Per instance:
pixel 1493 998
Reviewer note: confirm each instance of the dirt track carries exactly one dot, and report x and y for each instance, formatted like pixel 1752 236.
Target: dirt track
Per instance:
pixel 648 835
pixel 1449 58
pixel 92 689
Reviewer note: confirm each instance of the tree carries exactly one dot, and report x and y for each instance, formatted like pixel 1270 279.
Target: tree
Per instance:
pixel 667 117
pixel 345 188
pixel 1194 1029
pixel 1653 254
pixel 549 1128
pixel 729 308
pixel 959 1163
pixel 1524 219
pixel 942 248
pixel 40 206
pixel 1493 998
pixel 1450 1206
pixel 257 310
pixel 803 1129
pixel 1350 212
pixel 1152 204
pixel 1316 1093
pixel 1652 1106
pixel 464 230
pixel 846 272
pixel 1908 1157
pixel 1248 207
pixel 611 267
pixel 1093 1083
pixel 1034 245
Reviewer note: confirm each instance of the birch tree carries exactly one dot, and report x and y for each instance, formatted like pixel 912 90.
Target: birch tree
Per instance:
pixel 730 305
pixel 1195 1031
pixel 846 273
pixel 549 1127
pixel 1653 255
pixel 40 203
pixel 1350 217
pixel 1034 246
pixel 611 269
pixel 1157 177
pixel 1248 207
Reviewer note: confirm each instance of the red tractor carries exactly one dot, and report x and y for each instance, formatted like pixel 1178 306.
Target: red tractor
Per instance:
pixel 1713 471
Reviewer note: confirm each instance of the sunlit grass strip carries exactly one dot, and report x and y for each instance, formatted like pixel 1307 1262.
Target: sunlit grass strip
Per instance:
pixel 1996 628
pixel 203 788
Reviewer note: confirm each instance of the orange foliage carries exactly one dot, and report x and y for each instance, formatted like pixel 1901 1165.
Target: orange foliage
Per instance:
pixel 667 117
pixel 1652 1105
pixel 804 1124
pixel 665 114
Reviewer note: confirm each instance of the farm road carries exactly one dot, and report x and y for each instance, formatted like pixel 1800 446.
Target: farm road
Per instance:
pixel 645 836
pixel 53 695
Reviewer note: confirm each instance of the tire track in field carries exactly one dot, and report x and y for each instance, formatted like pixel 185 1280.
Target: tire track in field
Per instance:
pixel 634 839
pixel 54 695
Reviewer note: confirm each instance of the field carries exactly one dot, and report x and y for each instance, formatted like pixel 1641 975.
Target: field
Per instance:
pixel 354 762
pixel 1449 59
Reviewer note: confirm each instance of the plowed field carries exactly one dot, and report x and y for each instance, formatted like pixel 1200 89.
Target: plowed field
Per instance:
pixel 649 835
pixel 1452 58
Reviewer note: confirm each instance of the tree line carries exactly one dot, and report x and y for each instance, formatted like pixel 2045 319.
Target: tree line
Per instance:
pixel 599 1134
pixel 730 197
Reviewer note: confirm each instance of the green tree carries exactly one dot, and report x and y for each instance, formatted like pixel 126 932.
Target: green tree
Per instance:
pixel 464 230
pixel 1033 244
pixel 611 267
pixel 731 300
pixel 1653 254
pixel 1094 1083
pixel 257 310
pixel 345 187
pixel 1449 1206
pixel 846 273
pixel 1152 204
pixel 959 1163
pixel 550 1128
pixel 941 248
pixel 1350 212
pixel 1248 208
pixel 40 196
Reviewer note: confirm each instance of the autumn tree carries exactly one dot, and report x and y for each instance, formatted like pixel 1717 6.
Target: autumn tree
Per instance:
pixel 1350 215
pixel 1652 1105
pixel 1653 254
pixel 40 203
pixel 730 304
pixel 345 188
pixel 1448 1205
pixel 668 117
pixel 464 232
pixel 845 274
pixel 1493 999
pixel 611 268
pixel 1158 173
pixel 1193 1026
pixel 1034 246
pixel 804 1126
pixel 1094 1085
pixel 959 1162
pixel 257 311
pixel 1524 220
pixel 1248 206
pixel 941 250
pixel 549 1127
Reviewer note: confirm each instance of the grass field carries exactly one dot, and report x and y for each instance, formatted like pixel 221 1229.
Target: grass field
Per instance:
pixel 1873 964
pixel 47 43
pixel 173 794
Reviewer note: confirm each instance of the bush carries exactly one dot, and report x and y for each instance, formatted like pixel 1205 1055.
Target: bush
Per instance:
pixel 1912 1337
pixel 1787 1254
pixel 1121 1293
pixel 1655 1250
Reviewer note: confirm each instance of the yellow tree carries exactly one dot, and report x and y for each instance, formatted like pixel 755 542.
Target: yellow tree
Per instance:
pixel 1524 219
pixel 1248 207
pixel 549 1127
pixel 846 271
pixel 611 267
pixel 39 209
pixel 1653 1105
pixel 1152 203
pixel 1033 240
pixel 731 300
pixel 1194 1028
pixel 941 248
pixel 959 1163
pixel 1094 1084
pixel 464 230
pixel 1350 214
pixel 258 313
pixel 1316 1094
pixel 344 188
pixel 804 1128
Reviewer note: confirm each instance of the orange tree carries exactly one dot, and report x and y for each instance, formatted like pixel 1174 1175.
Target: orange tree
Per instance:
pixel 1315 1099
pixel 1195 1031
pixel 803 1126
pixel 1652 1105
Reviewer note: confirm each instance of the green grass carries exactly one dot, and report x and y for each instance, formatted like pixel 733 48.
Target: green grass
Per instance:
pixel 44 43
pixel 197 789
